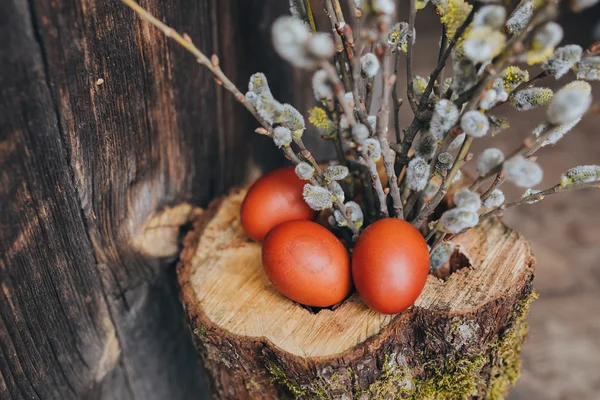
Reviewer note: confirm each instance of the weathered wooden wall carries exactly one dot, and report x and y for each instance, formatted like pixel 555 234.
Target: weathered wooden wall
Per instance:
pixel 84 313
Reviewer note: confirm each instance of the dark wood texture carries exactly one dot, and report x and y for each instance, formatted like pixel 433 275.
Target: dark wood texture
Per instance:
pixel 85 310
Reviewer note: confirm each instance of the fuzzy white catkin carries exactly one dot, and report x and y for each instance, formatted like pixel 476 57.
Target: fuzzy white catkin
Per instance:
pixel 474 123
pixel 282 136
pixel 258 84
pixel 372 148
pixel 355 212
pixel 549 35
pixel 419 85
pixel 444 117
pixel 360 133
pixel 292 119
pixel 444 161
pixel 289 37
pixel 563 59
pixel 520 17
pixel 321 46
pixel 495 199
pixel 558 133
pixel 398 37
pixel 589 69
pixel 336 172
pixel 386 7
pixel 321 86
pixel 318 198
pixel 252 98
pixel 570 102
pixel 338 191
pixel 464 198
pixel 489 159
pixel 372 120
pixel 489 99
pixel 426 147
pixel 369 65
pixel 305 171
pixel 581 174
pixel 522 172
pixel 483 43
pixel 492 16
pixel 417 174
pixel 457 220
pixel 497 124
pixel 530 98
pixel 441 255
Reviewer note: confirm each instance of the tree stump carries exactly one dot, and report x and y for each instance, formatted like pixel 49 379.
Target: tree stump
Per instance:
pixel 461 339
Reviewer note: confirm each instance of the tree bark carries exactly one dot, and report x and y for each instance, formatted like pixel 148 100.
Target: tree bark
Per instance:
pixel 107 131
pixel 461 339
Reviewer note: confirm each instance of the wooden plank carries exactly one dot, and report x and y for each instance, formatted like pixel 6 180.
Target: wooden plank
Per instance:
pixel 54 321
pixel 105 122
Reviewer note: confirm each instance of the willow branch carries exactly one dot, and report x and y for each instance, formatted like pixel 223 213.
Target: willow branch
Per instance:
pixel 442 60
pixel 338 90
pixel 458 163
pixel 382 126
pixel 410 94
pixel 527 149
pixel 534 198
pixel 396 100
pixel 304 152
pixel 311 16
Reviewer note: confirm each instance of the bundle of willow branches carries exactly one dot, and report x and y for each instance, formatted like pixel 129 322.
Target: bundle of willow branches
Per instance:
pixel 483 41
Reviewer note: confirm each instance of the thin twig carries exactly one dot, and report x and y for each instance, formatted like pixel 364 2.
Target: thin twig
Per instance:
pixel 410 94
pixel 396 100
pixel 382 126
pixel 311 17
pixel 338 90
pixel 539 196
pixel 442 60
pixel 443 46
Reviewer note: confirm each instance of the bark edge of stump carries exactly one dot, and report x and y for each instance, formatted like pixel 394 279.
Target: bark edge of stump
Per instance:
pixel 461 339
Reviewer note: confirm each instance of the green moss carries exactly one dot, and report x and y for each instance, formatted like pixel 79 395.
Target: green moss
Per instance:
pixel 279 376
pixel 459 379
pixel 395 382
pixel 200 331
pixel 507 370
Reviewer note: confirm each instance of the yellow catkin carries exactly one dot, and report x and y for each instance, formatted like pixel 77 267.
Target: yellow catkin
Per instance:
pixel 318 117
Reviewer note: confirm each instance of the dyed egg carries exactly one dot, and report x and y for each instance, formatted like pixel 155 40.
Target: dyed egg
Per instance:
pixel 390 264
pixel 274 198
pixel 307 263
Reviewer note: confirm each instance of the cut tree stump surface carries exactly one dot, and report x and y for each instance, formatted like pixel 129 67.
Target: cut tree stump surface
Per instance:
pixel 233 308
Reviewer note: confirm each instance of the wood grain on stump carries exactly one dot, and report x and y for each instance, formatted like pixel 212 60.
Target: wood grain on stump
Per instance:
pixel 460 339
